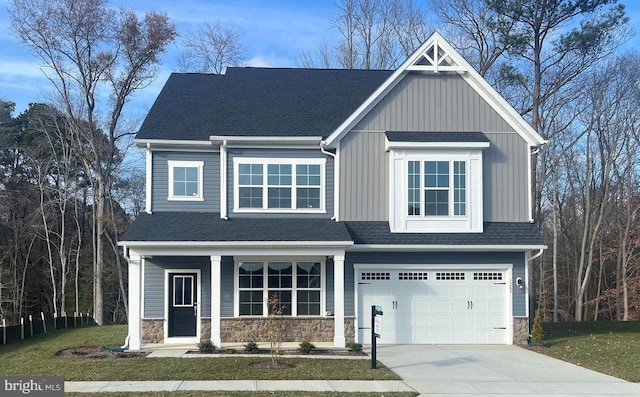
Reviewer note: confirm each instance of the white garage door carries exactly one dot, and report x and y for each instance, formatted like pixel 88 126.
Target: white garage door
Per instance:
pixel 435 306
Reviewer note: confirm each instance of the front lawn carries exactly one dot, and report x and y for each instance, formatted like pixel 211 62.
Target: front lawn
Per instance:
pixel 38 356
pixel 610 347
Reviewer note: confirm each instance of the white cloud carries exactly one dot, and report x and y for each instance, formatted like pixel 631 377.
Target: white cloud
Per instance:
pixel 259 62
pixel 18 68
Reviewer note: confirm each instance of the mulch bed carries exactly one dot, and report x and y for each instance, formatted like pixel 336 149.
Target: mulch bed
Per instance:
pixel 98 353
pixel 289 352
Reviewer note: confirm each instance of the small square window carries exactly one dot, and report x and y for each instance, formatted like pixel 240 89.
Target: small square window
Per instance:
pixel 185 180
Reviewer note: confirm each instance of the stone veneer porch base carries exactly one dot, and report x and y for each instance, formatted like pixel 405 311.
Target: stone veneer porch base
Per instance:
pixel 520 331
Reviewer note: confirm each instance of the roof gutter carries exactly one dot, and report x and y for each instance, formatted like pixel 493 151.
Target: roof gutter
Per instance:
pixel 442 247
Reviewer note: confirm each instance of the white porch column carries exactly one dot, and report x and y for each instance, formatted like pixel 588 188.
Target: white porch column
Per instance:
pixel 215 299
pixel 338 301
pixel 135 300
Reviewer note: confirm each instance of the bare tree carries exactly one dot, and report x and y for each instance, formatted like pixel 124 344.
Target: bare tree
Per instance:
pixel 376 34
pixel 92 52
pixel 211 49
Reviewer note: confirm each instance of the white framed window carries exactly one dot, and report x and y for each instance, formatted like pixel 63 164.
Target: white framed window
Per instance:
pixel 185 180
pixel 279 185
pixel 436 191
pixel 298 286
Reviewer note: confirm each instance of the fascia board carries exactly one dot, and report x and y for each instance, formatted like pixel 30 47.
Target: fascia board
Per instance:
pixel 214 244
pixel 171 143
pixel 441 247
pixel 269 140
pixel 436 145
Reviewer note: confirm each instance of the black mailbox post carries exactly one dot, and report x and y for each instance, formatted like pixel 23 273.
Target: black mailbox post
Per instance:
pixel 375 332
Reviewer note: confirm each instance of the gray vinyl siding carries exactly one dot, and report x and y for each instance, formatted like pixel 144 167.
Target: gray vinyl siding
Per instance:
pixel 154 281
pixel 284 154
pixel 364 178
pixel 505 185
pixel 226 286
pixel 433 102
pixel 160 182
pixel 517 259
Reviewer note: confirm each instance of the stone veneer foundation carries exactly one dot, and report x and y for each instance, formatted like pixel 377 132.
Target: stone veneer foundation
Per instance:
pixel 296 329
pixel 242 330
pixel 152 330
pixel 520 331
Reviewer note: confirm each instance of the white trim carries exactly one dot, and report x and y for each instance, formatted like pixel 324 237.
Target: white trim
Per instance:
pixel 170 143
pixel 511 116
pixel 434 145
pixel 338 301
pixel 336 183
pixel 148 178
pixel 526 286
pixel 441 247
pixel 529 182
pixel 242 244
pixel 506 267
pixel 265 162
pixel 199 165
pixel 257 139
pixel 143 266
pixel 195 339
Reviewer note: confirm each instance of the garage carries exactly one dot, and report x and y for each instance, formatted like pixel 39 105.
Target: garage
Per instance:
pixel 431 305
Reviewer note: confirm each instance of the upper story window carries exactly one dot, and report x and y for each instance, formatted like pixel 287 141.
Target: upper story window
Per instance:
pixel 185 180
pixel 437 188
pixel 279 185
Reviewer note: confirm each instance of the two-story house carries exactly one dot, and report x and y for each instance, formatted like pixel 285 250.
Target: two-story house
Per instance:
pixel 336 190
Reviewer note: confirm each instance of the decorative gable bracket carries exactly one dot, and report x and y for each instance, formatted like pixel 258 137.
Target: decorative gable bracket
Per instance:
pixel 435 58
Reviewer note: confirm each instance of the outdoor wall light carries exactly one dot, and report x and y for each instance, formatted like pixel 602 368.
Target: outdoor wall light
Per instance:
pixel 520 283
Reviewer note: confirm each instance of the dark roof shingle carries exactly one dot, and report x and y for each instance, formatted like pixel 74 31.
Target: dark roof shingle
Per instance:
pixel 258 102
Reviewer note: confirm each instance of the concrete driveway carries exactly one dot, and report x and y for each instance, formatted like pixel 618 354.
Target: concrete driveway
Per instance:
pixel 454 370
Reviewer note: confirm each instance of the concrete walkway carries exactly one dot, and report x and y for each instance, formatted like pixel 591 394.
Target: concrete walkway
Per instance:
pixel 461 371
pixel 241 385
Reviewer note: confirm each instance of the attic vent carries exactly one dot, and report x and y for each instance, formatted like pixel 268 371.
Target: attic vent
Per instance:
pixel 487 275
pixel 375 276
pixel 450 276
pixel 413 276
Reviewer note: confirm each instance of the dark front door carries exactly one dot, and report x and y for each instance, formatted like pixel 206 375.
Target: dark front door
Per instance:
pixel 183 308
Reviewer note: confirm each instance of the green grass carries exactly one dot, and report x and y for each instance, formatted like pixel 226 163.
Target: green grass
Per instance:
pixel 610 347
pixel 38 356
pixel 245 393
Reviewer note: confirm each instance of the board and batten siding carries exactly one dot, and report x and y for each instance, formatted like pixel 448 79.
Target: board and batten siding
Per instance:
pixel 160 182
pixel 283 154
pixel 154 283
pixel 433 102
pixel 443 103
pixel 397 259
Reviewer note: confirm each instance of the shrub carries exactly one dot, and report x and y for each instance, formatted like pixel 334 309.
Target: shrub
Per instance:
pixel 251 348
pixel 306 347
pixel 231 351
pixel 206 346
pixel 354 347
pixel 536 331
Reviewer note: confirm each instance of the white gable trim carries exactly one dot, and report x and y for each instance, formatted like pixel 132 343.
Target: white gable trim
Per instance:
pixel 455 62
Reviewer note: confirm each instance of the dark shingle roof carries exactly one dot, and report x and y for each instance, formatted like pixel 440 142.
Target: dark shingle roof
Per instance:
pixel 414 136
pixel 201 227
pixel 494 233
pixel 196 226
pixel 258 102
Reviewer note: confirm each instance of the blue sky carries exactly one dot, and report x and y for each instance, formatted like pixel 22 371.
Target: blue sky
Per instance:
pixel 274 34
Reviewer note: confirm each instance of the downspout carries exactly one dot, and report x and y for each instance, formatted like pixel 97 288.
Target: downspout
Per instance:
pixel 223 180
pixel 537 255
pixel 148 170
pixel 336 184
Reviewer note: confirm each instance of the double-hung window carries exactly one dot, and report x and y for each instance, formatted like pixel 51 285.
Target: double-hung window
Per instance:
pixel 297 287
pixel 185 180
pixel 437 188
pixel 279 185
pixel 436 191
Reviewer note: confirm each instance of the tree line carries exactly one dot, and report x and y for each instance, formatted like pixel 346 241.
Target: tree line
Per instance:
pixel 66 190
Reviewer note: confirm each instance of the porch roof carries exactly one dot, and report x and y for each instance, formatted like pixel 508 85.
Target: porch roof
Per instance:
pixel 202 227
